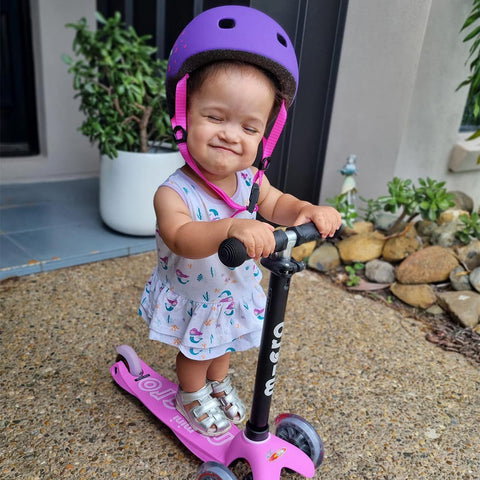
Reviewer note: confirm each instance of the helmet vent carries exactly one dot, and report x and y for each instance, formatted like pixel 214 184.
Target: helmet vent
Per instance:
pixel 282 40
pixel 226 23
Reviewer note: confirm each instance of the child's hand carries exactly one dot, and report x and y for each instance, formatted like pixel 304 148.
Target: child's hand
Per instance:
pixel 255 235
pixel 326 219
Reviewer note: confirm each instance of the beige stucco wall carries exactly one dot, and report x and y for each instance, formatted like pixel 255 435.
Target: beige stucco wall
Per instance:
pixel 395 103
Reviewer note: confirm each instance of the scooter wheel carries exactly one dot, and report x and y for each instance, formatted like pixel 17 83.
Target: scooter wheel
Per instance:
pixel 297 431
pixel 215 471
pixel 128 356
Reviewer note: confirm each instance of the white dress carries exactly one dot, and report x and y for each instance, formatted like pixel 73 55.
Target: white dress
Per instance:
pixel 201 306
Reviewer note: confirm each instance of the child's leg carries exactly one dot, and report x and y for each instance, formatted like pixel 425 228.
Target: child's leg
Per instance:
pixel 218 368
pixel 192 374
pixel 194 399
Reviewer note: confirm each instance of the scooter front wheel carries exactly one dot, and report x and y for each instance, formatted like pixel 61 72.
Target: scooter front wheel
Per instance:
pixel 297 431
pixel 215 471
pixel 128 356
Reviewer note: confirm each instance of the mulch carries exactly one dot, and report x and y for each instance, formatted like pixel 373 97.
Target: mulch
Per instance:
pixel 442 330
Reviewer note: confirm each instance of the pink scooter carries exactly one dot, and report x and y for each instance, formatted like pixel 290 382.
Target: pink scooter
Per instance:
pixel 296 445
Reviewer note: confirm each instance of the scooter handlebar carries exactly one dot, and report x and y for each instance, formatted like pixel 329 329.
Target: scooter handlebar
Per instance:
pixel 232 251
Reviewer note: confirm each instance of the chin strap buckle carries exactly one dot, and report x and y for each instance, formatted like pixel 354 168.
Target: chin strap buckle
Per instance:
pixel 182 138
pixel 264 164
pixel 253 200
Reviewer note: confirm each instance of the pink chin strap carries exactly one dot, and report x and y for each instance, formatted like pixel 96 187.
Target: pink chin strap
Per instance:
pixel 179 124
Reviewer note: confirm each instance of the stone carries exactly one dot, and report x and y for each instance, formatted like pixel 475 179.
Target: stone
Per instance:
pixel 428 265
pixel 303 251
pixel 399 247
pixel 469 255
pixel 459 279
pixel 474 278
pixel 445 235
pixel 379 271
pixel 462 201
pixel 362 247
pixel 384 220
pixel 450 216
pixel 358 227
pixel 324 258
pixel 424 229
pixel 464 306
pixel 435 309
pixel 421 296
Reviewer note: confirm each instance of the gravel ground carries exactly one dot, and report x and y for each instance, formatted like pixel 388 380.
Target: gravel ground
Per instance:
pixel 387 403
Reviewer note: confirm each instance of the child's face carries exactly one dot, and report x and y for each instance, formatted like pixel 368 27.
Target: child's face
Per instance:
pixel 227 118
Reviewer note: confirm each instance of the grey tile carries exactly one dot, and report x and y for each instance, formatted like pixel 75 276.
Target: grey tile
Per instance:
pixel 53 225
pixel 15 261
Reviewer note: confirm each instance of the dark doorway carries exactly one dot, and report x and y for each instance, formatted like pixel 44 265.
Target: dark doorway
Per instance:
pixel 18 116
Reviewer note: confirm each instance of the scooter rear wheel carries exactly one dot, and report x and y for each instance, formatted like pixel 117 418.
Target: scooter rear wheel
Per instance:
pixel 297 431
pixel 215 471
pixel 128 356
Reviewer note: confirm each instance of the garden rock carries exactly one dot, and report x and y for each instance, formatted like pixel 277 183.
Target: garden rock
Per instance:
pixel 462 201
pixel 362 247
pixel 450 216
pixel 459 279
pixel 304 250
pixel 474 278
pixel 380 271
pixel 398 248
pixel 421 296
pixel 324 258
pixel 358 227
pixel 435 309
pixel 462 306
pixel 445 235
pixel 429 265
pixel 424 229
pixel 469 255
pixel 384 220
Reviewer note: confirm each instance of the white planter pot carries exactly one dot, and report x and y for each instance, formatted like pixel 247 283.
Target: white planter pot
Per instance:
pixel 127 186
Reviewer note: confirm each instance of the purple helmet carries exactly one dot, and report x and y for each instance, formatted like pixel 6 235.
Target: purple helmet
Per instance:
pixel 233 33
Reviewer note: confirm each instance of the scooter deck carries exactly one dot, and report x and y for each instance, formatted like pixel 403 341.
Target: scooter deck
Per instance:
pixel 158 395
pixel 266 458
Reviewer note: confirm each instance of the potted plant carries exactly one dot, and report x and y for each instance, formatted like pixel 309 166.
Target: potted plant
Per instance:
pixel 121 87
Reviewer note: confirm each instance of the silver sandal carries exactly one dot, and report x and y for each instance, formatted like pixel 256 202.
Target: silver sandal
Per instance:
pixel 230 402
pixel 215 423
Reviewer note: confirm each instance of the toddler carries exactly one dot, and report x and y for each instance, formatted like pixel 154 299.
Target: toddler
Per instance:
pixel 231 73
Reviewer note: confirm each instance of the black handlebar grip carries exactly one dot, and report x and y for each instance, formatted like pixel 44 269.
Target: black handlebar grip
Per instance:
pixel 308 232
pixel 232 251
pixel 305 233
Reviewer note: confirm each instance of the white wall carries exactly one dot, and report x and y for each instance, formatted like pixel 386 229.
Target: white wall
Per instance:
pixel 65 153
pixel 395 103
pixel 436 109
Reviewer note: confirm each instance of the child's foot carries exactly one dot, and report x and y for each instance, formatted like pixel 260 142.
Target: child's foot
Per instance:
pixel 202 411
pixel 230 402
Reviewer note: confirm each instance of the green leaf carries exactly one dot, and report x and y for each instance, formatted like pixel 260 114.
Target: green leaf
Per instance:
pixel 67 59
pixel 472 34
pixel 100 18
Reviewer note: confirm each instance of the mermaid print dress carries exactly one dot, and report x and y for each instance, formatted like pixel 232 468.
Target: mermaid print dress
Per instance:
pixel 200 306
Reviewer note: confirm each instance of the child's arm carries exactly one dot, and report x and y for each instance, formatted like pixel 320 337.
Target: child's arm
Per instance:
pixel 196 239
pixel 285 209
